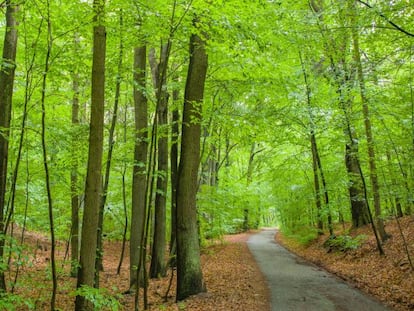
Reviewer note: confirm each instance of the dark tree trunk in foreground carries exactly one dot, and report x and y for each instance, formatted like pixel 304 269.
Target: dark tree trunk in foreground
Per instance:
pixel 6 93
pixel 93 187
pixel 139 178
pixel 189 274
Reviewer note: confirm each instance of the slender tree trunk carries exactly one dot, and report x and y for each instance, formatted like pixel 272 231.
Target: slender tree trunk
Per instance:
pixel 343 77
pixel 316 160
pixel 249 178
pixel 6 93
pixel 358 206
pixel 93 187
pixel 189 274
pixel 45 160
pixel 74 234
pixel 124 198
pixel 157 267
pixel 139 178
pixel 111 143
pixel 368 128
pixel 174 178
pixel 318 200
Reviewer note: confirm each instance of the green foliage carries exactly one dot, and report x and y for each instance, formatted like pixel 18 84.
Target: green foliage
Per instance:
pixel 305 235
pixel 344 243
pixel 11 302
pixel 99 297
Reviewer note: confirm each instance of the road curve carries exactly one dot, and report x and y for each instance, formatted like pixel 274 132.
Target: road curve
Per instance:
pixel 296 285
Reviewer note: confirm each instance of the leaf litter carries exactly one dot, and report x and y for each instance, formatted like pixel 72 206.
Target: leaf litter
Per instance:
pixel 231 275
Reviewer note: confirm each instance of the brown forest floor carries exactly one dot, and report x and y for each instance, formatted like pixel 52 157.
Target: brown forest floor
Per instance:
pixel 388 277
pixel 232 277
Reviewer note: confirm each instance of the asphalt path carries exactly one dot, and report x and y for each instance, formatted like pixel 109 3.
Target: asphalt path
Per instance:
pixel 297 285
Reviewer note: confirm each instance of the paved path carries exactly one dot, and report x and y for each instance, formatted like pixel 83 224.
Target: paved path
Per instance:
pixel 296 285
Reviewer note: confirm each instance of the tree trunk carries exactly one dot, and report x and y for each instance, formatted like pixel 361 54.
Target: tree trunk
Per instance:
pixel 74 234
pixel 174 172
pixel 139 179
pixel 6 93
pixel 189 274
pixel 46 161
pixel 318 200
pixel 358 206
pixel 111 143
pixel 157 267
pixel 368 128
pixel 93 187
pixel 316 161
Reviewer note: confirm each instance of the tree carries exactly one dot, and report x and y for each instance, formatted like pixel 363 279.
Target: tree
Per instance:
pixel 367 122
pixel 139 177
pixel 157 268
pixel 93 187
pixel 74 231
pixel 189 274
pixel 7 72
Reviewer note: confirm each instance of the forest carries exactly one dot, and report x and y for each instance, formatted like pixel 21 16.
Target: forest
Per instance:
pixel 167 124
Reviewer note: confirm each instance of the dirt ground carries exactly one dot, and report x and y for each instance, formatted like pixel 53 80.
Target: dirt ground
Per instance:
pixel 232 277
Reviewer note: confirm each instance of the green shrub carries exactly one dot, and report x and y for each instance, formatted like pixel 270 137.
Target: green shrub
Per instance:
pixel 100 298
pixel 304 236
pixel 9 301
pixel 343 243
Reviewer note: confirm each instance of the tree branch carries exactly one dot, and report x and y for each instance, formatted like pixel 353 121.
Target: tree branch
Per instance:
pixel 388 20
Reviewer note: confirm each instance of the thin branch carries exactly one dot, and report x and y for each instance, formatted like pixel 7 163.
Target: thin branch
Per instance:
pixel 387 19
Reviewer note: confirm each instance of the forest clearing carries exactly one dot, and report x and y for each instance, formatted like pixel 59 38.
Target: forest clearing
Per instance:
pixel 160 128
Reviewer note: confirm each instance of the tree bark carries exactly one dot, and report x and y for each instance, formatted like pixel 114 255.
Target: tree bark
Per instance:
pixel 157 267
pixel 139 179
pixel 189 274
pixel 111 143
pixel 358 206
pixel 93 187
pixel 6 93
pixel 74 234
pixel 46 161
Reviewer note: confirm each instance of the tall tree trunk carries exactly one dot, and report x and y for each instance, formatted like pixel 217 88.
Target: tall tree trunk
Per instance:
pixel 318 200
pixel 139 177
pixel 6 93
pixel 189 274
pixel 343 77
pixel 174 178
pixel 316 160
pixel 124 197
pixel 157 267
pixel 111 143
pixel 45 160
pixel 368 128
pixel 93 187
pixel 358 205
pixel 74 234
